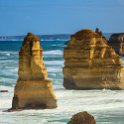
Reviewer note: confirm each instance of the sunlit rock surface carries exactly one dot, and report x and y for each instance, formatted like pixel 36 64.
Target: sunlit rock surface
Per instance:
pixel 90 63
pixel 82 118
pixel 33 89
pixel 117 42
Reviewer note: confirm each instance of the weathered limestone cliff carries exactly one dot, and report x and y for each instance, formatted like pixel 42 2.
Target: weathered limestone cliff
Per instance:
pixel 90 63
pixel 117 43
pixel 33 89
pixel 82 118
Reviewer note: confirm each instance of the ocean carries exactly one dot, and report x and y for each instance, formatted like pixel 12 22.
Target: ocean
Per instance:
pixel 107 106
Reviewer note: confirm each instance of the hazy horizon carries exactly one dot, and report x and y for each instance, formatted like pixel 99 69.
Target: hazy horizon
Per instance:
pixel 19 35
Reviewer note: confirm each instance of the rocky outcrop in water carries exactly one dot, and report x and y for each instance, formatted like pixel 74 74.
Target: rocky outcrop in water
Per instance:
pixel 90 63
pixel 3 91
pixel 33 89
pixel 82 118
pixel 117 43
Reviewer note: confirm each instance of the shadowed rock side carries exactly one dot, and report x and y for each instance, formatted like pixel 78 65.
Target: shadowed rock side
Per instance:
pixel 117 42
pixel 90 63
pixel 33 89
pixel 82 118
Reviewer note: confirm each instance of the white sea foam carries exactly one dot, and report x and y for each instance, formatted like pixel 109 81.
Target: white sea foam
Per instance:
pixel 8 53
pixel 53 52
pixel 15 70
pixel 57 45
pixel 54 69
pixel 101 103
pixel 69 102
pixel 55 62
pixel 2 87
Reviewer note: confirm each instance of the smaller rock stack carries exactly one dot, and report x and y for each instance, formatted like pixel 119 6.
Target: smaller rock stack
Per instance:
pixel 117 43
pixel 90 63
pixel 82 118
pixel 33 89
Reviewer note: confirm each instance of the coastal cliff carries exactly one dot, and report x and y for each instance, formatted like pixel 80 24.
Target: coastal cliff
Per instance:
pixel 33 89
pixel 90 63
pixel 116 41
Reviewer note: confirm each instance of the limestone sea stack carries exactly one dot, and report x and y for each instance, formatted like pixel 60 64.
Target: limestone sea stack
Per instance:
pixel 82 118
pixel 90 63
pixel 33 89
pixel 117 42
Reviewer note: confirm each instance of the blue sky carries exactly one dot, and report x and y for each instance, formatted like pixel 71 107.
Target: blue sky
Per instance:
pixel 17 17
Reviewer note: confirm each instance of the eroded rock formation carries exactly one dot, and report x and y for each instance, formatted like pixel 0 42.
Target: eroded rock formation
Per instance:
pixel 90 63
pixel 82 118
pixel 117 43
pixel 33 89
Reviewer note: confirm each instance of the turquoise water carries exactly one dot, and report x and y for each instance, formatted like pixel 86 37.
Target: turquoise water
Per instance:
pixel 106 106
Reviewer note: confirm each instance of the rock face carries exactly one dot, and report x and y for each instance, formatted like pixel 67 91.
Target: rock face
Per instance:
pixel 33 89
pixel 82 118
pixel 117 43
pixel 90 63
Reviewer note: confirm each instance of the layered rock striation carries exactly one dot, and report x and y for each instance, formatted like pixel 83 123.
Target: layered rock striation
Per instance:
pixel 117 43
pixel 82 118
pixel 33 89
pixel 90 63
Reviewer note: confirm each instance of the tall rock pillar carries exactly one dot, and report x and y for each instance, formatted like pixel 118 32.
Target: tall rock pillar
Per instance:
pixel 33 89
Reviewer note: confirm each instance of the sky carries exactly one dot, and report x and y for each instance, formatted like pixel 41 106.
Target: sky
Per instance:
pixel 17 17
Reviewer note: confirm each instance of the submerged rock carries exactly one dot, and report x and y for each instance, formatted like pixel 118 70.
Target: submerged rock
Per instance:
pixel 117 43
pixel 3 91
pixel 90 63
pixel 33 89
pixel 82 118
